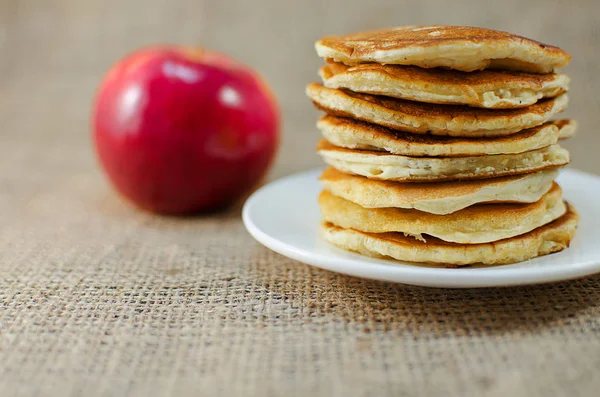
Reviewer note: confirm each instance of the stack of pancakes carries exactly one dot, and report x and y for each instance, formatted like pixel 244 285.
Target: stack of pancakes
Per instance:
pixel 441 145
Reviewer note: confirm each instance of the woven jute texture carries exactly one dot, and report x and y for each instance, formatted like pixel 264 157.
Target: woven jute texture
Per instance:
pixel 98 299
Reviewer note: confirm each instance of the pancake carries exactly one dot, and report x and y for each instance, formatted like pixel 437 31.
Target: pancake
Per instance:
pixel 423 118
pixel 552 237
pixel 493 89
pixel 481 223
pixel 354 134
pixel 566 128
pixel 455 47
pixel 383 166
pixel 438 198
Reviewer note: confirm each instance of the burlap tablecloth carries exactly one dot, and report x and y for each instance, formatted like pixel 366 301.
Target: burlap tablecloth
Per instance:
pixel 98 299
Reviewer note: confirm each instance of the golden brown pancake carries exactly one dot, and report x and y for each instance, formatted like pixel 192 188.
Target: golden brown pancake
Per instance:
pixel 566 128
pixel 354 134
pixel 456 47
pixel 384 166
pixel 476 224
pixel 438 198
pixel 493 89
pixel 552 237
pixel 424 118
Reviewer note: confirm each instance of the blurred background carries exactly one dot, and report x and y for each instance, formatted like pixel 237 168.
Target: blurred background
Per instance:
pixel 53 54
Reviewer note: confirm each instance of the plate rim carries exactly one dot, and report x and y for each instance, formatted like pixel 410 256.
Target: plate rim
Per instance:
pixel 376 269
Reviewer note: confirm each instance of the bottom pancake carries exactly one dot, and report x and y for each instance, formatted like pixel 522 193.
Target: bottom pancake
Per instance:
pixel 552 237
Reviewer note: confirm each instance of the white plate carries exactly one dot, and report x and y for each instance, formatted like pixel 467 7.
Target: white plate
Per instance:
pixel 284 217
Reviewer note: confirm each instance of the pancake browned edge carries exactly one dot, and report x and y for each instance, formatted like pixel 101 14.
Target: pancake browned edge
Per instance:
pixel 354 134
pixel 552 237
pixel 384 166
pixel 480 223
pixel 428 118
pixel 456 47
pixel 441 197
pixel 492 89
pixel 566 128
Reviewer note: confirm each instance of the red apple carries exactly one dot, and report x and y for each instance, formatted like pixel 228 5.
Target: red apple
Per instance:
pixel 184 130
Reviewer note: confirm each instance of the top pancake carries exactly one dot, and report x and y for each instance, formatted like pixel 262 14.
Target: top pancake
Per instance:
pixel 456 47
pixel 493 89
